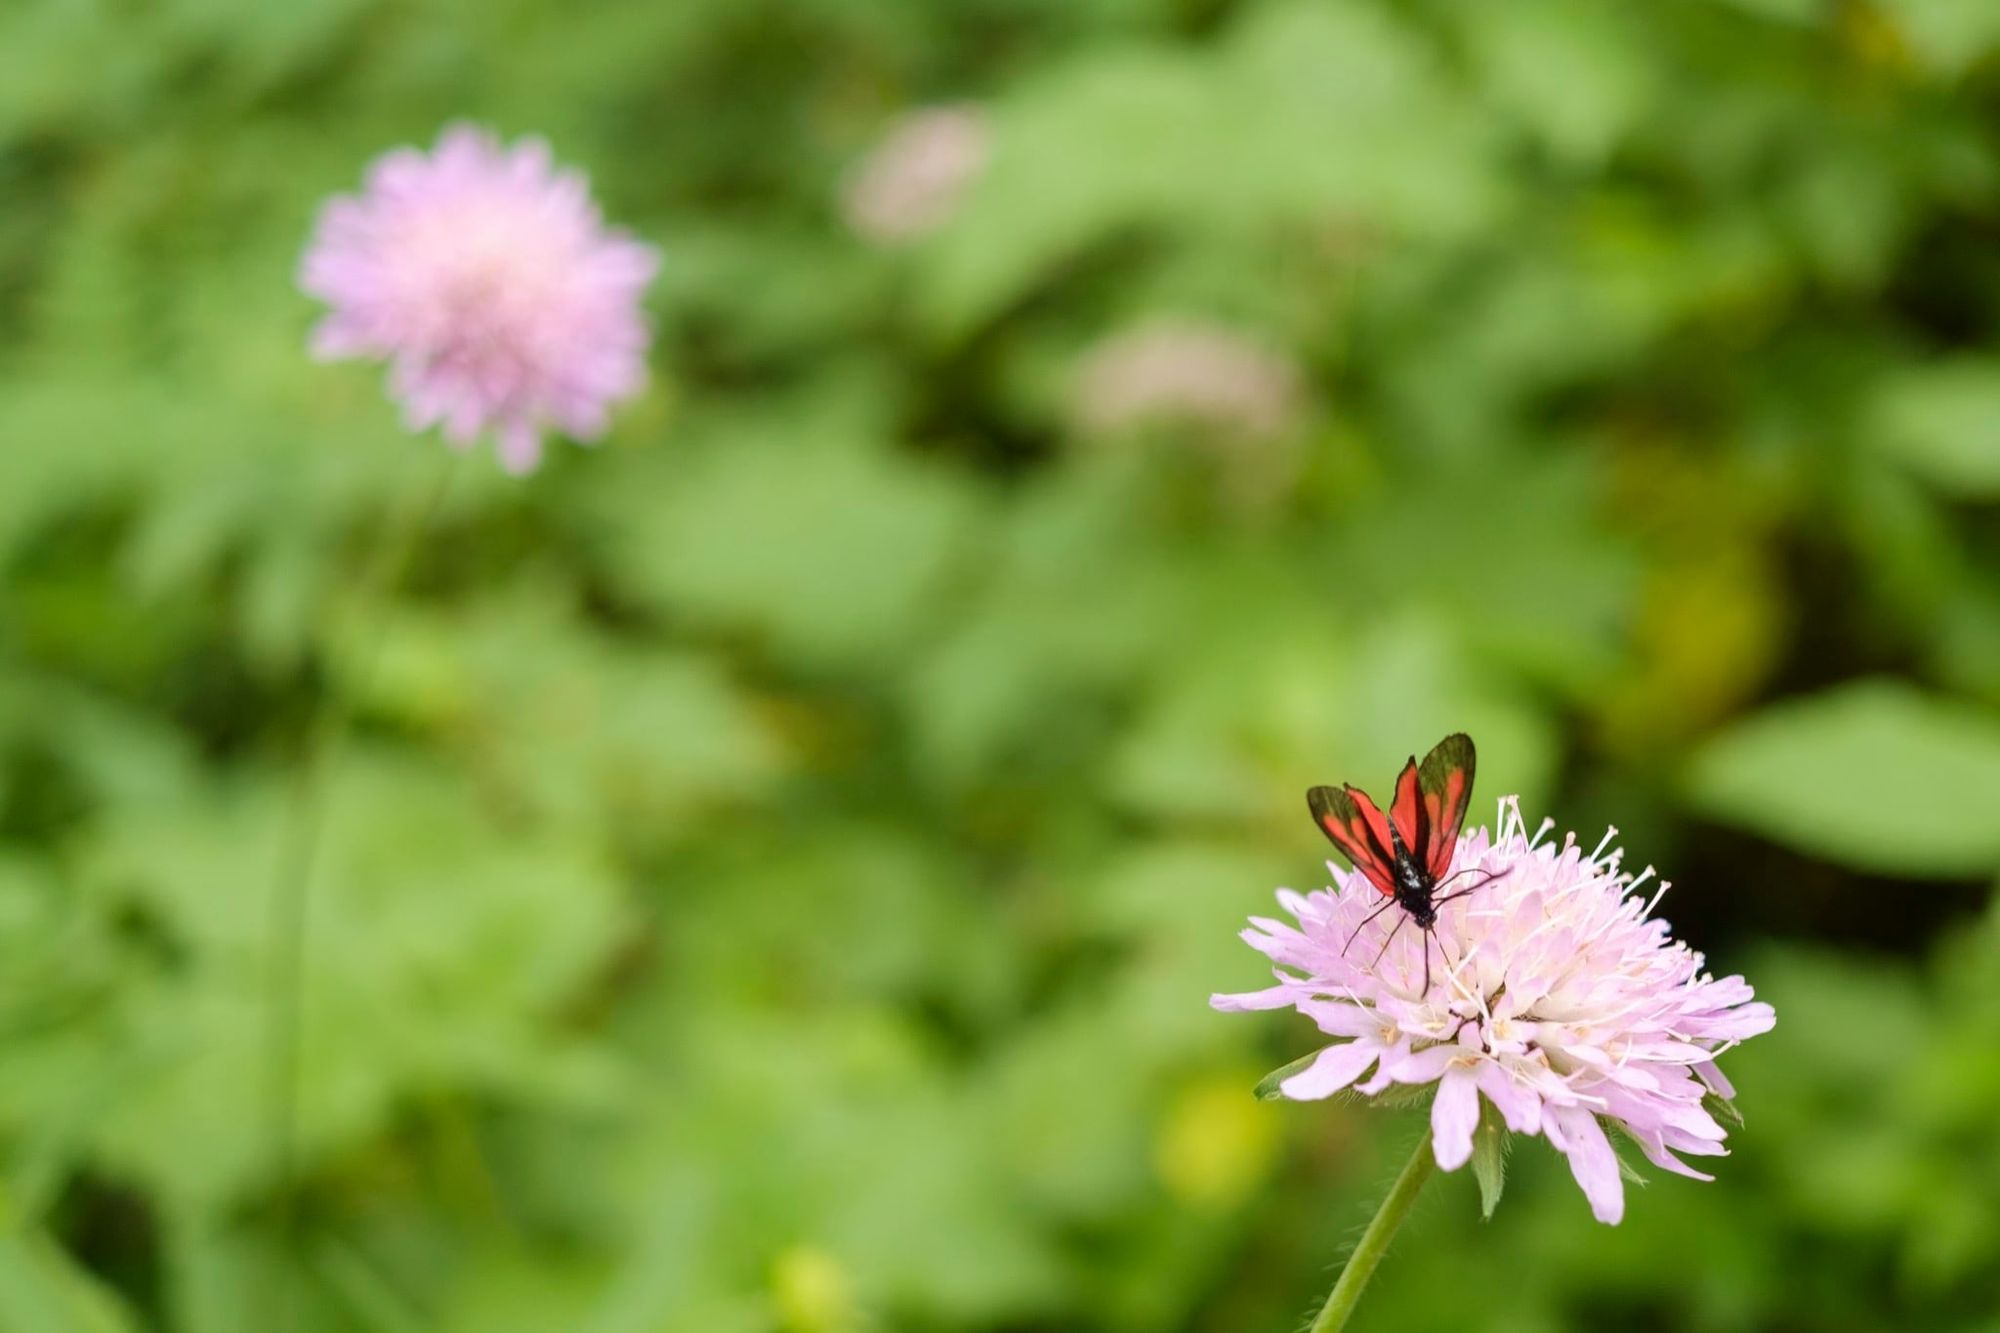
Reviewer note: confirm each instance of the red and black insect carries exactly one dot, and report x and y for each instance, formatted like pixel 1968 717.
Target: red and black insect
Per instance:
pixel 1407 853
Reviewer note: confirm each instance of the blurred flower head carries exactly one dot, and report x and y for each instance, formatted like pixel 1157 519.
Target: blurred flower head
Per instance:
pixel 811 1292
pixel 1554 995
pixel 486 278
pixel 1179 373
pixel 916 178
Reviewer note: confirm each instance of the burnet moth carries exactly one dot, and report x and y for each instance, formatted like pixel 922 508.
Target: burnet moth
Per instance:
pixel 1406 854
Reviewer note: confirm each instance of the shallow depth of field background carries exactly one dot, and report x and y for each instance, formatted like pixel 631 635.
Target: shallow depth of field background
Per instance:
pixel 785 853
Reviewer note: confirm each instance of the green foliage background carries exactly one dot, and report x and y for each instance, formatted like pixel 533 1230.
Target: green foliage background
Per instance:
pixel 784 854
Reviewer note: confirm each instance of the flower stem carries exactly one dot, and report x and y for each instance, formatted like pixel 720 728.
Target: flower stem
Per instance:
pixel 1375 1240
pixel 399 534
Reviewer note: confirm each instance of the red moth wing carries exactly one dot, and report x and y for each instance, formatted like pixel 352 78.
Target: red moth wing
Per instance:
pixel 1357 827
pixel 1445 780
pixel 1408 812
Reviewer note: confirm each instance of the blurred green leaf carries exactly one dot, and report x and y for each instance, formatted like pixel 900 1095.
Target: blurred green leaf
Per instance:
pixel 1569 71
pixel 1950 36
pixel 42 1288
pixel 1313 112
pixel 1944 421
pixel 438 952
pixel 1875 774
pixel 834 549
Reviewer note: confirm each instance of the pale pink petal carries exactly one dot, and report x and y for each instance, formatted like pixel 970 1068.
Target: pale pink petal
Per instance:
pixel 1338 1018
pixel 1336 1067
pixel 1691 1145
pixel 1422 1066
pixel 1277 997
pixel 1381 1078
pixel 1518 1105
pixel 1454 1115
pixel 1712 1076
pixel 1591 1160
pixel 1657 1154
pixel 520 448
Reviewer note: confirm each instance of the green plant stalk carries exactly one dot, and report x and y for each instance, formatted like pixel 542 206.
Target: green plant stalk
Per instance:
pixel 291 888
pixel 1375 1240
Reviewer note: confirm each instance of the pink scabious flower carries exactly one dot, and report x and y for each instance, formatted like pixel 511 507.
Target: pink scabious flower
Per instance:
pixel 916 179
pixel 1187 372
pixel 1555 995
pixel 486 278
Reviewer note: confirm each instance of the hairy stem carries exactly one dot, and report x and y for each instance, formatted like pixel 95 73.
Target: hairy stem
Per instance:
pixel 1375 1240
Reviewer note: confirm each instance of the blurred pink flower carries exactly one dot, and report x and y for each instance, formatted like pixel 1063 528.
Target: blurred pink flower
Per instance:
pixel 1554 995
pixel 1186 373
pixel 484 275
pixel 915 179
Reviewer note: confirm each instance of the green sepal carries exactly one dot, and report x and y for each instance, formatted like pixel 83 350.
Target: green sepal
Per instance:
pixel 1722 1108
pixel 1398 1096
pixel 1620 1142
pixel 1489 1159
pixel 1267 1086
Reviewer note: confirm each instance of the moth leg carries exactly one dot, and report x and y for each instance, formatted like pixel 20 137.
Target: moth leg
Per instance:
pixel 1469 870
pixel 1364 925
pixel 1491 875
pixel 1445 954
pixel 1385 943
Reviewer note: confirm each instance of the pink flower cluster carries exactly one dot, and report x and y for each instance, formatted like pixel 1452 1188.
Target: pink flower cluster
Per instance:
pixel 486 278
pixel 1555 996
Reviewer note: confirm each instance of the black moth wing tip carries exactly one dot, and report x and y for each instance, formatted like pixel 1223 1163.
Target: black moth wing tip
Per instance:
pixel 1326 800
pixel 1454 751
pixel 1456 746
pixel 1335 812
